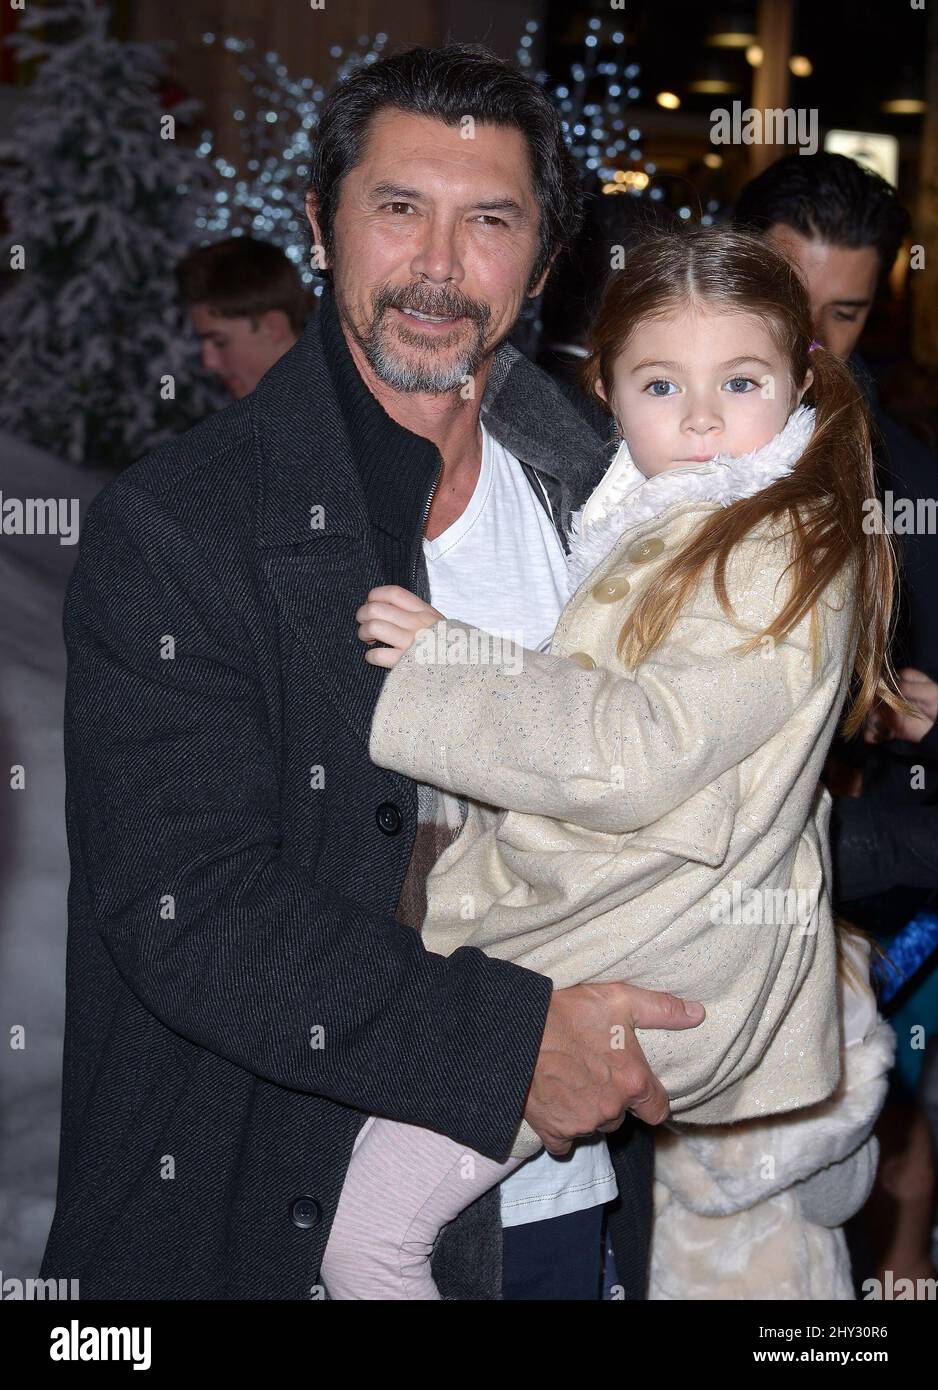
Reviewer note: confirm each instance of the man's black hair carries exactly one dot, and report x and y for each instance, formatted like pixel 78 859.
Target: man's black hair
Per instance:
pixel 450 84
pixel 830 198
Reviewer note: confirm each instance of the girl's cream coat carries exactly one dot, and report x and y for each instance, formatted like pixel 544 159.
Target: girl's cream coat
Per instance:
pixel 662 826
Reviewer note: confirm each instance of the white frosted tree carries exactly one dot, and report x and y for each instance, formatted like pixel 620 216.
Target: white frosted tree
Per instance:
pixel 99 361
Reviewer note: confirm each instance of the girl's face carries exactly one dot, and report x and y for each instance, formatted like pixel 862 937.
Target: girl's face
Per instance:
pixel 699 383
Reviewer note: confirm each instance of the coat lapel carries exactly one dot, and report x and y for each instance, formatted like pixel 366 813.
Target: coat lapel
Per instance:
pixel 313 528
pixel 318 592
pixel 527 412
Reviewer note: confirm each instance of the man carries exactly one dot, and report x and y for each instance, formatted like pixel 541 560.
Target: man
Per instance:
pixel 842 226
pixel 240 995
pixel 248 306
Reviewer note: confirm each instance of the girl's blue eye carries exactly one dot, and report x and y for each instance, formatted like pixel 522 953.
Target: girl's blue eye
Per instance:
pixel 739 386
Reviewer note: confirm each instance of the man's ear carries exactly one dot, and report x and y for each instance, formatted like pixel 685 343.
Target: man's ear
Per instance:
pixel 276 325
pixel 312 216
pixel 542 279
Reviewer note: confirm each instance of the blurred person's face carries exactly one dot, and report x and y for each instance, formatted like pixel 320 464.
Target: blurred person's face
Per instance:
pixel 840 281
pixel 698 383
pixel 240 350
pixel 434 241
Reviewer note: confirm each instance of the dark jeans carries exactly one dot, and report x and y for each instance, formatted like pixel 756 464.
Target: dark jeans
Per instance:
pixel 560 1258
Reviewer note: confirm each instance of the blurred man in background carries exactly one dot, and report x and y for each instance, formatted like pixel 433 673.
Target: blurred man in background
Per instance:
pixel 842 226
pixel 248 307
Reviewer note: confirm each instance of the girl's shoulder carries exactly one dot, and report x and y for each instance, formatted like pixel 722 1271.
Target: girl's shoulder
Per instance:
pixel 759 579
pixel 768 550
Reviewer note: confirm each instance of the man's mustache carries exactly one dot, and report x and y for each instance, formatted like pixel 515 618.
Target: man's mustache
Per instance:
pixel 435 309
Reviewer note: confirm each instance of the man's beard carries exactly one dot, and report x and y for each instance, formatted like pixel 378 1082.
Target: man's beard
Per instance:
pixel 424 374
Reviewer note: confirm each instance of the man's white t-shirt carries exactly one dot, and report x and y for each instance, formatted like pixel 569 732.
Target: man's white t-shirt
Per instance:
pixel 501 567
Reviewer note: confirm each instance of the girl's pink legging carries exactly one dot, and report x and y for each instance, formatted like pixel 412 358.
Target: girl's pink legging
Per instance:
pixel 403 1185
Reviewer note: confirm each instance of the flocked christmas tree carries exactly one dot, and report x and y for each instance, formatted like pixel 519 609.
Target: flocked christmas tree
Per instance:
pixel 99 362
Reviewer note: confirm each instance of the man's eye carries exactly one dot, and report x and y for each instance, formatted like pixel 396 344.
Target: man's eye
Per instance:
pixel 745 381
pixel 844 318
pixel 652 384
pixel 398 205
pixel 491 218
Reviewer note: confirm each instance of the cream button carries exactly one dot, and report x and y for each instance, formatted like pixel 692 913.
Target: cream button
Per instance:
pixel 646 550
pixel 614 586
pixel 582 659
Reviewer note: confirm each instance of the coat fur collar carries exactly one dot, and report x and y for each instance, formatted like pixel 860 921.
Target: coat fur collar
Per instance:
pixel 624 497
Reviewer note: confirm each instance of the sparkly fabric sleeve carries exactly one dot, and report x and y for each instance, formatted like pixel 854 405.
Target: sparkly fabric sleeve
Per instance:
pixel 590 747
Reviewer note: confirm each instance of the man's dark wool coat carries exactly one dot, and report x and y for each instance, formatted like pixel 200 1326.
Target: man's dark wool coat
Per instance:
pixel 239 993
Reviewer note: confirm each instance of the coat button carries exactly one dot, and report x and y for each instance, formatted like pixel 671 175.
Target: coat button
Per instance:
pixel 305 1212
pixel 582 659
pixel 614 586
pixel 646 550
pixel 388 817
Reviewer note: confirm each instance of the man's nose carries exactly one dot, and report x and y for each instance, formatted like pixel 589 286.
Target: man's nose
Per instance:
pixel 437 258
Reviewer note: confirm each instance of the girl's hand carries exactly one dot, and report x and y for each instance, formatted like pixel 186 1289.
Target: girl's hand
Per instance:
pixel 883 723
pixel 393 615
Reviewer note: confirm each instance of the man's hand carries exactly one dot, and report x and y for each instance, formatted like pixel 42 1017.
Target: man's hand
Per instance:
pixel 883 723
pixel 393 615
pixel 591 1070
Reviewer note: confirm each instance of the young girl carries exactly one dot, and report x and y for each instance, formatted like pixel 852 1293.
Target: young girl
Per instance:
pixel 659 818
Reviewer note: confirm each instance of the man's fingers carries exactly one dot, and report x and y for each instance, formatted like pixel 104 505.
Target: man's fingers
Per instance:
pixel 653 1009
pixel 557 1147
pixel 654 1110
pixel 920 693
pixel 648 1102
pixel 911 729
pixel 912 676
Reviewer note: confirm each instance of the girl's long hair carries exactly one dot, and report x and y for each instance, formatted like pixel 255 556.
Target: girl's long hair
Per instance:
pixel 824 500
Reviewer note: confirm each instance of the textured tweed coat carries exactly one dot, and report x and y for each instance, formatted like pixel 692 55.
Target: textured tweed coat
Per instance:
pixel 663 825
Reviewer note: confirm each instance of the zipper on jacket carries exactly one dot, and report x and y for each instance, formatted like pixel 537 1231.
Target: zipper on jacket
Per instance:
pixel 554 520
pixel 423 522
pixel 550 510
